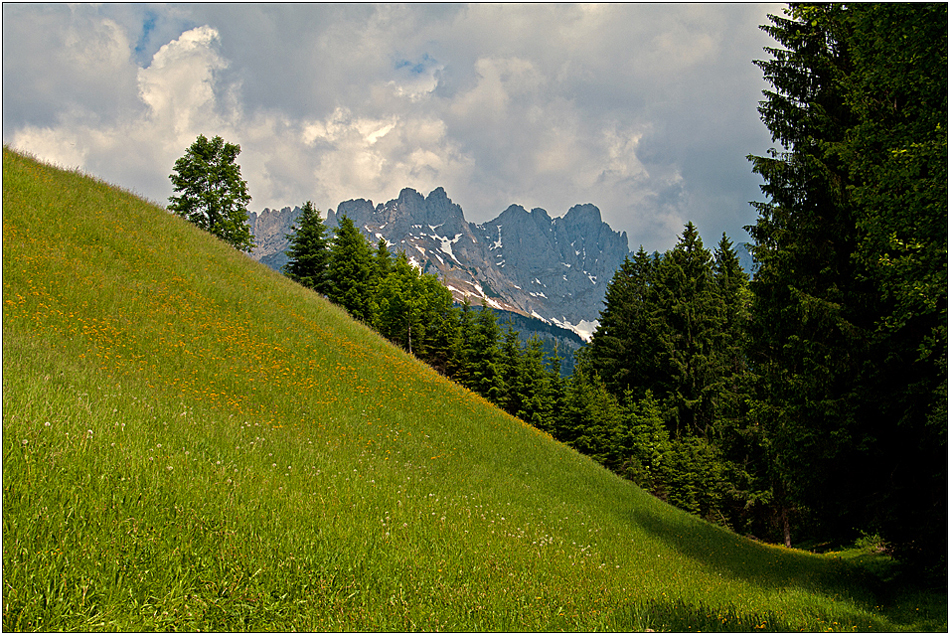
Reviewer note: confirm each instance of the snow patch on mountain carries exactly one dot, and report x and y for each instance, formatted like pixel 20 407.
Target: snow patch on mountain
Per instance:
pixel 571 258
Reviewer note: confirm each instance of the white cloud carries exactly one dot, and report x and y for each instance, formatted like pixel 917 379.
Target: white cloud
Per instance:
pixel 179 86
pixel 646 111
pixel 285 161
pixel 176 102
pixel 377 157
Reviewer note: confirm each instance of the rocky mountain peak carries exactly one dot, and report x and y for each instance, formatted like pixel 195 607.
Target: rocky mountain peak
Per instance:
pixel 586 214
pixel 270 229
pixel 525 262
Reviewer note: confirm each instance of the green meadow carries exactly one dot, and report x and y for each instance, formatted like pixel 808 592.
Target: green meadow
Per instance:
pixel 193 442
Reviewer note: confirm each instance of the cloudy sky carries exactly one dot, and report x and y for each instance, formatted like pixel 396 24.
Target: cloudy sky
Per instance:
pixel 645 110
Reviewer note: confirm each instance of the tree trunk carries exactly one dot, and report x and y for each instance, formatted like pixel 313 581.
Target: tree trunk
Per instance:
pixel 786 530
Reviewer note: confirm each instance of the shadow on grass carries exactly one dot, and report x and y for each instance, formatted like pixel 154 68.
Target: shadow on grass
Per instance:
pixel 767 566
pixel 864 595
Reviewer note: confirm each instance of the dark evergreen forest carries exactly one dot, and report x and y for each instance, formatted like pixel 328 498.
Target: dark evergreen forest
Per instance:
pixel 805 405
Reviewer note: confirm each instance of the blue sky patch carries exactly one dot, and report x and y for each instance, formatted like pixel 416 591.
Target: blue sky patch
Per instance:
pixel 416 68
pixel 148 25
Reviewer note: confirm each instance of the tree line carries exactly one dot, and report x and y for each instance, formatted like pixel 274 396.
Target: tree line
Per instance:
pixel 811 400
pixel 848 328
pixel 415 311
pixel 668 414
pixel 808 401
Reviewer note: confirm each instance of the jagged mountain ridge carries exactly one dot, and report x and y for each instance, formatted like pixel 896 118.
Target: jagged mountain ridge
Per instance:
pixel 525 262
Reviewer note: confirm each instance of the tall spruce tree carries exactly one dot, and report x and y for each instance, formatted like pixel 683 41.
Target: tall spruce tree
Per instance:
pixel 484 357
pixel 687 319
pixel 733 350
pixel 442 349
pixel 673 339
pixel 536 404
pixel 459 362
pixel 351 271
pixel 383 259
pixel 590 419
pixel 624 346
pixel 439 321
pixel 896 155
pixel 553 403
pixel 400 304
pixel 645 445
pixel 849 309
pixel 309 253
pixel 512 371
pixel 412 308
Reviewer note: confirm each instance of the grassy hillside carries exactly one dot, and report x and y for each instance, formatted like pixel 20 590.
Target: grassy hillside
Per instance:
pixel 193 442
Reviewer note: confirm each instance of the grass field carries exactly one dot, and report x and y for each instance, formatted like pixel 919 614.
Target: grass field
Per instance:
pixel 193 442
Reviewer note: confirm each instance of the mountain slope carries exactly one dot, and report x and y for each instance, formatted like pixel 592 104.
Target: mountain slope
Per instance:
pixel 193 442
pixel 526 262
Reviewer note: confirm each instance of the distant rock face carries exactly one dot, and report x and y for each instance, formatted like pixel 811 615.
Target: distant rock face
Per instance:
pixel 526 262
pixel 270 229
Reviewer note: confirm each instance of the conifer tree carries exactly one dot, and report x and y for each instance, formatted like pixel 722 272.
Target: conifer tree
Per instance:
pixel 309 253
pixel 412 307
pixel 442 350
pixel 511 370
pixel 535 405
pixel 399 303
pixel 590 420
pixel 484 361
pixel 624 348
pixel 553 403
pixel 733 349
pixel 438 321
pixel 350 273
pixel 645 445
pixel 849 310
pixel 461 356
pixel 687 320
pixel 383 259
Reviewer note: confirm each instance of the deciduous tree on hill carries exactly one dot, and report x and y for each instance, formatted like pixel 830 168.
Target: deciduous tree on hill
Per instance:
pixel 212 194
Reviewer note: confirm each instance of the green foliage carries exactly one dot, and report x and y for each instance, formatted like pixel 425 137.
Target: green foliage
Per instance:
pixel 850 295
pixel 672 348
pixel 484 363
pixel 416 312
pixel 400 302
pixel 696 478
pixel 351 270
pixel 212 194
pixel 591 418
pixel 537 400
pixel 407 307
pixel 309 255
pixel 412 308
pixel 384 259
pixel 646 446
pixel 624 346
pixel 676 324
pixel 512 371
pixel 687 316
pixel 458 363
